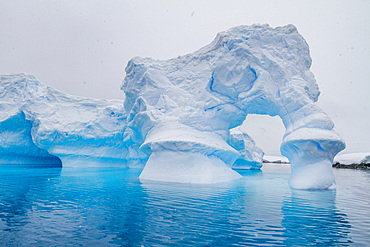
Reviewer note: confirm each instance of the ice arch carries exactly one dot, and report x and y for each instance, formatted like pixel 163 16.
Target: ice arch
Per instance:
pixel 181 110
pixel 17 146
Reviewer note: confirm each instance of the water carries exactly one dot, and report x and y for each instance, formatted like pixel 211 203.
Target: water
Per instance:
pixel 111 207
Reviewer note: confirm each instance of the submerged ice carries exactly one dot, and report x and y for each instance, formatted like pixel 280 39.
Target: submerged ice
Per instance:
pixel 181 115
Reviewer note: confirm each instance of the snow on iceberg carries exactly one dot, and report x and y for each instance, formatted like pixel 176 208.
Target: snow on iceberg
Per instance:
pixel 186 106
pixel 41 125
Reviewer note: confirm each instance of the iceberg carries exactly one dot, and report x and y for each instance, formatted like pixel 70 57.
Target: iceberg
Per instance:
pixel 275 159
pixel 186 107
pixel 352 159
pixel 41 125
pixel 181 116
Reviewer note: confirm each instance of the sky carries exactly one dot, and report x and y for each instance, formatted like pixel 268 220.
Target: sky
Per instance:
pixel 82 48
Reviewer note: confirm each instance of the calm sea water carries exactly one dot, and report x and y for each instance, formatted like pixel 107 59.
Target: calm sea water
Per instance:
pixel 111 207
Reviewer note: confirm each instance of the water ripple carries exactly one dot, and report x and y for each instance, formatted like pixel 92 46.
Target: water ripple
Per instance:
pixel 112 207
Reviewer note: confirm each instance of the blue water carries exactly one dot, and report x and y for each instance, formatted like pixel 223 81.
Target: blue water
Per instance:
pixel 111 207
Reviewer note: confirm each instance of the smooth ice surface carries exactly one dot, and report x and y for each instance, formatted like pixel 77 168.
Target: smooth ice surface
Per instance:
pixel 245 70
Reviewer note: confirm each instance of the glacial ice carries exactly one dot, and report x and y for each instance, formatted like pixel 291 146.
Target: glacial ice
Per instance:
pixel 251 156
pixel 189 104
pixel 17 147
pixel 42 125
pixel 181 115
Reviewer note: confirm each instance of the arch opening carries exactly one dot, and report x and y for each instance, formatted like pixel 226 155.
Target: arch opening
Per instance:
pixel 266 131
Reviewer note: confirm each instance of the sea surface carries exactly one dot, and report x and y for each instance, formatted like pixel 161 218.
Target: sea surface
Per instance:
pixel 112 207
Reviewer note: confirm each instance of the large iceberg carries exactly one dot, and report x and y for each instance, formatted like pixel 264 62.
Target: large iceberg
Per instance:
pixel 181 110
pixel 181 116
pixel 43 126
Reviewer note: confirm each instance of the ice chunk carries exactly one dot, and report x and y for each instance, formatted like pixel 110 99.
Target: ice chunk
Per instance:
pixel 251 156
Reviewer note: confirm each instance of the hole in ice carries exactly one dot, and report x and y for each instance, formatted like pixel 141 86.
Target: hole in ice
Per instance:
pixel 266 131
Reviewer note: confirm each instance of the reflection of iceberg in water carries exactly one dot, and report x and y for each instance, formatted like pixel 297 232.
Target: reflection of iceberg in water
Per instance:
pixel 102 207
pixel 240 213
pixel 194 215
pixel 20 192
pixel 123 217
pixel 311 218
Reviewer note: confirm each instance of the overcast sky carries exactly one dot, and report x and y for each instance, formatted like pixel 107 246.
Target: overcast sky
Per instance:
pixel 82 47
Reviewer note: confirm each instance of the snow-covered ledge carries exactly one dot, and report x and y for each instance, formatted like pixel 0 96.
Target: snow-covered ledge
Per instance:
pixel 185 155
